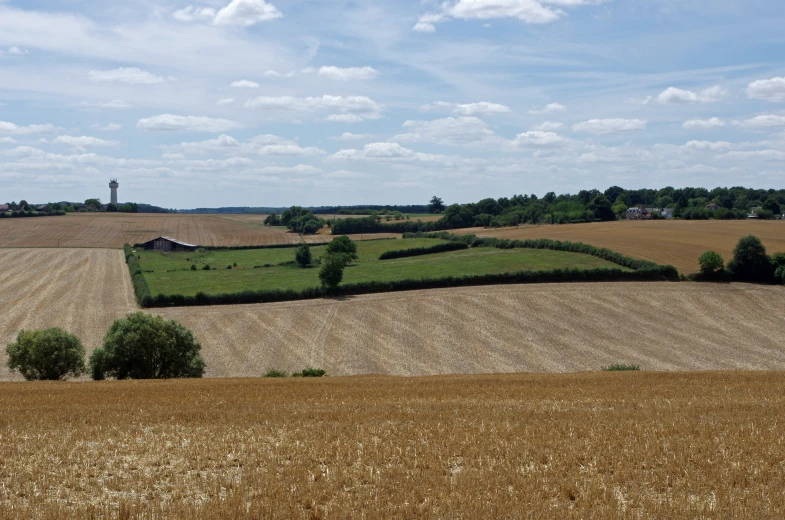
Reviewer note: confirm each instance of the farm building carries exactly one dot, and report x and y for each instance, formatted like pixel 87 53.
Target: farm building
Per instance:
pixel 167 244
pixel 4 208
pixel 713 206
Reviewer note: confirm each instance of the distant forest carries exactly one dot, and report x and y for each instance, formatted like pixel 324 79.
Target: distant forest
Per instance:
pixel 318 210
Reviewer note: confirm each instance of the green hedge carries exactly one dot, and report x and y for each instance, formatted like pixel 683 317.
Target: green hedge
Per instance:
pixel 419 251
pixel 555 245
pixel 657 273
pixel 30 214
pixel 141 290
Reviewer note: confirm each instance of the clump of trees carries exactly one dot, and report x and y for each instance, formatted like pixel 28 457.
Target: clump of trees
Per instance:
pixel 750 263
pixel 143 346
pixel 51 355
pixel 297 219
pixel 340 253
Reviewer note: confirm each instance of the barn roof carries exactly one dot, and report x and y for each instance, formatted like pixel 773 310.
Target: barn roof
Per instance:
pixel 174 240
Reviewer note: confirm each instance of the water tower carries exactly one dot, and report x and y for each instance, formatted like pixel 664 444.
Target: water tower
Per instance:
pixel 113 184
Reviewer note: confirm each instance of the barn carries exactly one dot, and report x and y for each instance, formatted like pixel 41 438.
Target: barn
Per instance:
pixel 167 244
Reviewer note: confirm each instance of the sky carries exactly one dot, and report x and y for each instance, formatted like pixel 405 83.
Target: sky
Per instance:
pixel 281 102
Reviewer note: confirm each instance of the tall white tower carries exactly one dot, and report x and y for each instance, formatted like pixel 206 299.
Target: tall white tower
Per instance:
pixel 113 184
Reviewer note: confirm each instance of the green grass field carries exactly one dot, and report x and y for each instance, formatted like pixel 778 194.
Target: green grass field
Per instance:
pixel 170 273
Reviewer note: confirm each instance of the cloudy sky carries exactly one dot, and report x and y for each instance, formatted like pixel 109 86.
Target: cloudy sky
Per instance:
pixel 271 103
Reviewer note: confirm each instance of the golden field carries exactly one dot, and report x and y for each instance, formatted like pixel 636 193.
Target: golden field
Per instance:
pixel 588 445
pixel 490 329
pixel 112 230
pixel 675 242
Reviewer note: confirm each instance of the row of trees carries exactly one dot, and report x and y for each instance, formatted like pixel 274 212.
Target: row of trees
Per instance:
pixel 139 346
pixel 750 263
pixel 89 205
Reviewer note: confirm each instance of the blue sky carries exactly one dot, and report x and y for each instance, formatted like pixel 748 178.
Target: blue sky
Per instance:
pixel 272 103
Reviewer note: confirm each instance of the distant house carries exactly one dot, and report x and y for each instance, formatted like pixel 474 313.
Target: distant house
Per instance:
pixel 638 214
pixel 167 244
pixel 667 213
pixel 4 208
pixel 713 206
pixel 42 207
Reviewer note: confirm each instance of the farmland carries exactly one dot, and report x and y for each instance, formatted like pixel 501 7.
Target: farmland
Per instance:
pixel 678 243
pixel 171 273
pixel 112 230
pixel 635 445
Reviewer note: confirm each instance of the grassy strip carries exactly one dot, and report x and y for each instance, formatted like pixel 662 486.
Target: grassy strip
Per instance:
pixel 419 251
pixel 669 271
pixel 143 295
pixel 656 273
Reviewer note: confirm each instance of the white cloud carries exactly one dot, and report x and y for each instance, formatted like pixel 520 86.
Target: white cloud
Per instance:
pixel 244 83
pixel 16 51
pixel 246 13
pixel 483 108
pixel 426 22
pixel 537 138
pixel 348 73
pixel 776 155
pixel 549 109
pixel 267 144
pixel 118 104
pixel 764 121
pixel 300 169
pixel 289 149
pixel 351 108
pixel 111 127
pixel 275 74
pixel 675 96
pixel 129 75
pixel 767 89
pixel 452 131
pixel 707 145
pixel 548 126
pixel 609 126
pixel 529 11
pixel 194 14
pixel 82 141
pixel 7 128
pixel 703 124
pixel 169 123
pixel 348 136
pixel 7 140
pixel 225 101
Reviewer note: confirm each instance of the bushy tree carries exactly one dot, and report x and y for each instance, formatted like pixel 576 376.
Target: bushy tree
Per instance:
pixel 302 255
pixel 343 245
pixel 273 220
pixel 711 263
pixel 772 205
pixel 779 275
pixel 436 205
pixel 51 354
pixel 750 262
pixel 111 207
pixel 331 273
pixel 601 207
pixel 143 346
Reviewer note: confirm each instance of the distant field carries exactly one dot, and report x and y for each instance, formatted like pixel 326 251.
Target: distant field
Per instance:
pixel 490 329
pixel 675 242
pixel 591 445
pixel 112 230
pixel 172 275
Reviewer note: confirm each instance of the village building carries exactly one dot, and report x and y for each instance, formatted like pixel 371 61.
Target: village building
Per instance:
pixel 167 244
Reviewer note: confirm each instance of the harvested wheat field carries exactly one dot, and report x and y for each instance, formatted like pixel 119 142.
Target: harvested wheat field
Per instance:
pixel 79 290
pixel 675 242
pixel 589 445
pixel 112 230
pixel 490 329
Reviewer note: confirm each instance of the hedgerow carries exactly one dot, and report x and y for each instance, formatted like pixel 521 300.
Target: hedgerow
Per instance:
pixel 30 214
pixel 143 295
pixel 419 251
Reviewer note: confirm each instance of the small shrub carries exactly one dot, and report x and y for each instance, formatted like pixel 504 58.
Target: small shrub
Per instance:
pixel 276 373
pixel 206 267
pixel 51 355
pixel 302 255
pixel 620 367
pixel 313 372
pixel 229 266
pixel 193 267
pixel 711 263
pixel 343 245
pixel 331 273
pixel 779 275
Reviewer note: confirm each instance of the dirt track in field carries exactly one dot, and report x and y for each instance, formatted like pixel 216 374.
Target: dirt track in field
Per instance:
pixel 79 290
pixel 675 242
pixel 112 230
pixel 513 328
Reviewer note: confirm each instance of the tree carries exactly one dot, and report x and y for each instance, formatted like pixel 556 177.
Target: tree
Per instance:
pixel 343 245
pixel 143 346
pixel 302 255
pixel 51 354
pixel 111 207
pixel 436 205
pixel 273 220
pixel 600 206
pixel 711 263
pixel 331 273
pixel 772 205
pixel 750 262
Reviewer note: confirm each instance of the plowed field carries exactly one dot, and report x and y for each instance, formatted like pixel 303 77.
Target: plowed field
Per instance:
pixel 112 230
pixel 678 243
pixel 513 328
pixel 592 445
pixel 79 290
